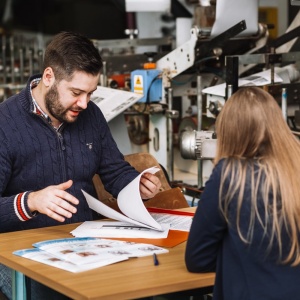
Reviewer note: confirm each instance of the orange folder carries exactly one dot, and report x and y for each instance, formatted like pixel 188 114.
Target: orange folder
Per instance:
pixel 175 237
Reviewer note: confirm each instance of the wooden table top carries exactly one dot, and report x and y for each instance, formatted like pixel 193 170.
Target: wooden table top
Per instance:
pixel 134 278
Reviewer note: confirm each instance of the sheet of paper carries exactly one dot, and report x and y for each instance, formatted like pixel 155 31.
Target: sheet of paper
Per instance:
pixel 112 102
pixel 130 203
pixel 257 79
pixel 231 12
pixel 176 222
pixel 115 229
pixel 108 212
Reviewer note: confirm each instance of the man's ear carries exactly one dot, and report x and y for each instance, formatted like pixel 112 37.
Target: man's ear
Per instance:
pixel 48 77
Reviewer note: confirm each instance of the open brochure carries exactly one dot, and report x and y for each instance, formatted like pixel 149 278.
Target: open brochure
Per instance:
pixel 82 254
pixel 130 203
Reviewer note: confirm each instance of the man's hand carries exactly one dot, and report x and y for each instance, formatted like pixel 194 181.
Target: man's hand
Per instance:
pixel 54 201
pixel 149 185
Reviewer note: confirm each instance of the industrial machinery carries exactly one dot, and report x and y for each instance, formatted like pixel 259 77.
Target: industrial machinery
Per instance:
pixel 174 119
pixel 280 78
pixel 158 85
pixel 21 56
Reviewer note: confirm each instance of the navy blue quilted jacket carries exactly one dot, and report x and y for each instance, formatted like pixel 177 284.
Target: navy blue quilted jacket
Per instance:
pixel 33 156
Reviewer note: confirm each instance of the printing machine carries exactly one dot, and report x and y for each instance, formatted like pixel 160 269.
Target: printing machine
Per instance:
pixel 157 85
pixel 232 56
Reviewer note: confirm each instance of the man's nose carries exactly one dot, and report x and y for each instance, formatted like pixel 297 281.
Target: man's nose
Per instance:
pixel 82 101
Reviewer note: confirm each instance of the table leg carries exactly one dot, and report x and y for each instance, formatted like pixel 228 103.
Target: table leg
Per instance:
pixel 18 286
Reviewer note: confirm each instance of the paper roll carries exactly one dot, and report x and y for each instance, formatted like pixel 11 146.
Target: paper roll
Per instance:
pixel 231 12
pixel 147 5
pixel 183 30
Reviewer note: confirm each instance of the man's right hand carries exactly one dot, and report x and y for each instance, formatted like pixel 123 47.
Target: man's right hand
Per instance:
pixel 54 201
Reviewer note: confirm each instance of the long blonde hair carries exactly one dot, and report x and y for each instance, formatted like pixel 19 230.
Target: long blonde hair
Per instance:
pixel 253 135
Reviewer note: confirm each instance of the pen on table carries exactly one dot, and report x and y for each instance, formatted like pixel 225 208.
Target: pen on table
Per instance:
pixel 155 260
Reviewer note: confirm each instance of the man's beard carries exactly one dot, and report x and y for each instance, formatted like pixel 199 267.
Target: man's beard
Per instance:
pixel 55 107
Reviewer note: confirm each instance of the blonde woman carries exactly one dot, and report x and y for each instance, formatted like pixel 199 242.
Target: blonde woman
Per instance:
pixel 246 227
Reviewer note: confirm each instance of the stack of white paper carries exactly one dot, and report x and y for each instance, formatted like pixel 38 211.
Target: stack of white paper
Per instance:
pixel 130 203
pixel 135 222
pixel 116 229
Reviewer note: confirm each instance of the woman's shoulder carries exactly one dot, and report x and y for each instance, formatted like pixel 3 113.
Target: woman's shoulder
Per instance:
pixel 234 162
pixel 223 162
pixel 217 170
pixel 231 166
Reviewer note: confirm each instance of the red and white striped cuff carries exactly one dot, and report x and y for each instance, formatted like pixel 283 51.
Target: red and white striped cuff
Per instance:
pixel 20 209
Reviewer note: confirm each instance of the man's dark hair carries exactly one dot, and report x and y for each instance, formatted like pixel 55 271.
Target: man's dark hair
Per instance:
pixel 69 52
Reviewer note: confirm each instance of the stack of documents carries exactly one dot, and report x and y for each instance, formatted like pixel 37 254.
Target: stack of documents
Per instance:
pixel 82 254
pixel 174 220
pixel 135 221
pixel 130 203
pixel 117 229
